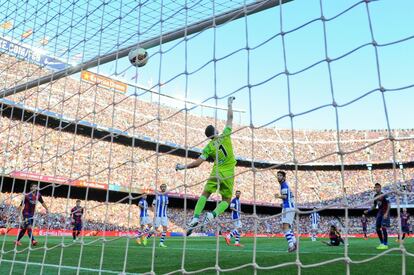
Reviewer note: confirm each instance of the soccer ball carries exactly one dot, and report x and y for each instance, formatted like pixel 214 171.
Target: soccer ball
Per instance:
pixel 138 57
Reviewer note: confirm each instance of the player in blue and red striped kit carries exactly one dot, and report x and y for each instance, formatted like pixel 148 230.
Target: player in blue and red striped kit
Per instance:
pixel 27 209
pixel 364 222
pixel 405 226
pixel 383 216
pixel 335 238
pixel 76 215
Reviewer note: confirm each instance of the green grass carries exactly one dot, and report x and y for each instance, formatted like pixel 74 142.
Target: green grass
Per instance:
pixel 200 253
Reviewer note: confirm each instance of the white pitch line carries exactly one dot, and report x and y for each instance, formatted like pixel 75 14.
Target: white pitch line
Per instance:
pixel 70 267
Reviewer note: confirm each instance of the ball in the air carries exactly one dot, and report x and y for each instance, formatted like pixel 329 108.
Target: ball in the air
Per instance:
pixel 138 57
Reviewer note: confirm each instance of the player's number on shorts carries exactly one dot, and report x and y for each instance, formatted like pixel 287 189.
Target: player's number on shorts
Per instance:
pixel 221 147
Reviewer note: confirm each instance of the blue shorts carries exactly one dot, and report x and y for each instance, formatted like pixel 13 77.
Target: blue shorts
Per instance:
pixel 381 222
pixel 77 226
pixel 27 221
pixel 364 229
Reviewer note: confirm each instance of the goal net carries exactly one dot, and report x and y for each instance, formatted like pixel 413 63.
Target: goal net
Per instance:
pixel 323 91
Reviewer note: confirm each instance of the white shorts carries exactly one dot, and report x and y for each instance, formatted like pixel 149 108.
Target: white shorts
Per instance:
pixel 237 224
pixel 145 220
pixel 160 221
pixel 288 215
pixel 314 226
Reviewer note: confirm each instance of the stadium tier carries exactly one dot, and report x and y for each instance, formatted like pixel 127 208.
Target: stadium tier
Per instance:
pixel 31 150
pixel 81 100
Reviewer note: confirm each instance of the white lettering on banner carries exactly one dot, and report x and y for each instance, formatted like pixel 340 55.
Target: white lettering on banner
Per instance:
pixel 30 55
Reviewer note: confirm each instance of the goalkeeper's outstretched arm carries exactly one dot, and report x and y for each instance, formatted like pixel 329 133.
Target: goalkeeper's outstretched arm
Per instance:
pixel 229 122
pixel 193 164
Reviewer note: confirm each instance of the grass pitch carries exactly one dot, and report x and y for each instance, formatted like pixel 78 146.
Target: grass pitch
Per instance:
pixel 200 253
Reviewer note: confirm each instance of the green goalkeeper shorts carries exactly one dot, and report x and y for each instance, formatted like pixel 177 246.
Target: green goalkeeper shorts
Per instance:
pixel 226 183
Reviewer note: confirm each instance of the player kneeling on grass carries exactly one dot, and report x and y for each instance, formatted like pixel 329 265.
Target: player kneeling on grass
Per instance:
pixel 160 204
pixel 144 221
pixel 27 210
pixel 335 238
pixel 235 207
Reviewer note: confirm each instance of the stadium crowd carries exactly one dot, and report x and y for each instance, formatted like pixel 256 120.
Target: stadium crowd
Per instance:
pixel 103 216
pixel 29 147
pixel 44 151
pixel 84 101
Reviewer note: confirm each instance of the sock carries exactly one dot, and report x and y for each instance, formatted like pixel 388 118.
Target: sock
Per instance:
pixel 385 234
pixel 379 233
pixel 163 234
pixel 21 234
pixel 74 234
pixel 221 207
pixel 293 236
pixel 233 233
pixel 237 237
pixel 144 234
pixel 29 233
pixel 200 206
pixel 149 235
pixel 78 233
pixel 290 237
pixel 403 237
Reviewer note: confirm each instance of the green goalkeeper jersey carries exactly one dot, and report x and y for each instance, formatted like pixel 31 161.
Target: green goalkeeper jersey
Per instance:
pixel 221 148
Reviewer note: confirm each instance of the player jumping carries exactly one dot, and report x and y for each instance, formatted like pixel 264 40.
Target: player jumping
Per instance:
pixel 288 210
pixel 76 214
pixel 219 149
pixel 235 207
pixel 383 216
pixel 27 209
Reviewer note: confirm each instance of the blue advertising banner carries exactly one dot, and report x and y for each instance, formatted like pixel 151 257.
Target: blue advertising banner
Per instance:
pixel 30 55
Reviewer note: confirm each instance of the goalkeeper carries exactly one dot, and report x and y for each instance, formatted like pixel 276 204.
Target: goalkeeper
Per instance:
pixel 219 149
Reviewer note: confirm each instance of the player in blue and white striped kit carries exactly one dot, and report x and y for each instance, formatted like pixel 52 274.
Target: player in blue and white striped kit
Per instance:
pixel 160 204
pixel 144 220
pixel 314 218
pixel 235 207
pixel 288 210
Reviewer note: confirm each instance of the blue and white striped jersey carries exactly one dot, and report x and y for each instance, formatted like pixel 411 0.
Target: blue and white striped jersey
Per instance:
pixel 315 218
pixel 144 207
pixel 285 190
pixel 161 203
pixel 235 203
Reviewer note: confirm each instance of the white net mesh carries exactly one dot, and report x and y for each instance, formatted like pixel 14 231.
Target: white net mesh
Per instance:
pixel 82 123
